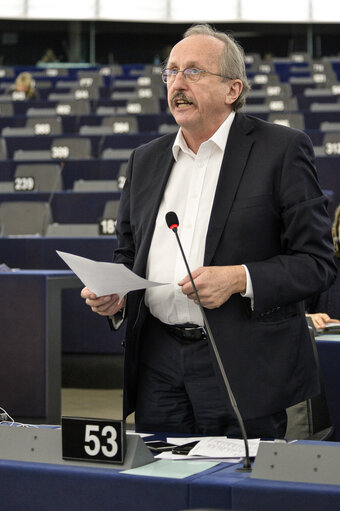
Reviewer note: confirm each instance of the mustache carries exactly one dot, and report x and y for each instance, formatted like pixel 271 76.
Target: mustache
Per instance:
pixel 180 95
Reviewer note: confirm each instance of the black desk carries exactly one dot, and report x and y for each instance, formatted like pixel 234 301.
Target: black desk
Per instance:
pixel 30 332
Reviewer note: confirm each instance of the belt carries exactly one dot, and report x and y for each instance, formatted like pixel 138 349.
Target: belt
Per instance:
pixel 187 332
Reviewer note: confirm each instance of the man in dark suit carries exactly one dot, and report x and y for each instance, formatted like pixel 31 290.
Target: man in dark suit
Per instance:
pixel 255 229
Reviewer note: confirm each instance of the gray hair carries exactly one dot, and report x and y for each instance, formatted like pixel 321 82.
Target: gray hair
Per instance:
pixel 232 60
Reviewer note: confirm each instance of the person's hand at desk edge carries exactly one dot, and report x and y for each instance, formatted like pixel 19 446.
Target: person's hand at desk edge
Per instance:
pixel 323 323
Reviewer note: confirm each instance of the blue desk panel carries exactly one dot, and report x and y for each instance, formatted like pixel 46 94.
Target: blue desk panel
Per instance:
pixel 262 495
pixel 44 487
pixel 40 253
pixel 329 354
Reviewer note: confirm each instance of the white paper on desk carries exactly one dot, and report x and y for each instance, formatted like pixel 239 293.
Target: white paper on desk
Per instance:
pixel 223 447
pixel 105 278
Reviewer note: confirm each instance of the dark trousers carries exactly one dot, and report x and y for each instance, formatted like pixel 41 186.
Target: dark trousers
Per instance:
pixel 178 391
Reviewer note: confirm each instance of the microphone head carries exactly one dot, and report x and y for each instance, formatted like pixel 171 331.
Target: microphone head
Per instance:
pixel 172 220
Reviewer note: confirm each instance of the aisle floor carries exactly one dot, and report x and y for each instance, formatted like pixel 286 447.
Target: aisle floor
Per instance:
pixel 94 403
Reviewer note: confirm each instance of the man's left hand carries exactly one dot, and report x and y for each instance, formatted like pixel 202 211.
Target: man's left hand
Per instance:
pixel 214 284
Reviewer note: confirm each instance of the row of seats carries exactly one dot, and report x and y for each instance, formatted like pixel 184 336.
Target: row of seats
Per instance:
pixel 35 218
pixel 35 153
pixel 48 177
pixel 120 147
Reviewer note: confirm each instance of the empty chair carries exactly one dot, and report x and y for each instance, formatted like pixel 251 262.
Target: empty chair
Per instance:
pixel 111 209
pixel 67 148
pixel 114 70
pixel 329 126
pixel 66 97
pixel 35 126
pixel 331 143
pixel 47 176
pixel 6 186
pixel 45 125
pixel 60 71
pixel 116 154
pixel 155 90
pixel 56 230
pixel 7 72
pixel 265 79
pixel 3 149
pixel 66 84
pixel 106 110
pixel 73 107
pixel 121 178
pixel 256 108
pixel 300 57
pixel 165 128
pixel 282 104
pixel 95 185
pixel 292 120
pixel 121 124
pixel 128 95
pixel 43 84
pixel 40 112
pixel 31 155
pixel 83 92
pixel 143 106
pixel 112 125
pixel 90 78
pixel 14 131
pixel 25 217
pixel 6 109
pixel 252 61
pixel 95 130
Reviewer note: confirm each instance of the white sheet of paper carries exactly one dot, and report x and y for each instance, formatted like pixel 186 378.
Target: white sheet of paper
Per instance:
pixel 105 278
pixel 223 447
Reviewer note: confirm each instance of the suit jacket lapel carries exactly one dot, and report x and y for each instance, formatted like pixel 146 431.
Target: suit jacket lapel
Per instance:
pixel 234 161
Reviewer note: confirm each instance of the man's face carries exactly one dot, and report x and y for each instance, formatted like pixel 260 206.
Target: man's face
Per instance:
pixel 198 107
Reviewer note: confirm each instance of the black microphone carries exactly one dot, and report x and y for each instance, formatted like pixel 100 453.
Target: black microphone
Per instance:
pixel 173 223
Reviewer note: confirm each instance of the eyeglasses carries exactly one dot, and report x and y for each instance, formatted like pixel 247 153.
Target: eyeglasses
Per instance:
pixel 192 74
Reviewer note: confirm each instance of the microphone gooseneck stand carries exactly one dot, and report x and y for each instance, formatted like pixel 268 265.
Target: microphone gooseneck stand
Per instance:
pixel 172 222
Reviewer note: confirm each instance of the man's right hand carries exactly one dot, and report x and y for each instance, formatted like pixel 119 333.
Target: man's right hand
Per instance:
pixel 104 305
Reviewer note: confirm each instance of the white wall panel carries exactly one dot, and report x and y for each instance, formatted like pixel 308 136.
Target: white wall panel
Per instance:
pixel 289 11
pixel 326 10
pixel 211 10
pixel 275 10
pixel 12 8
pixel 61 9
pixel 136 10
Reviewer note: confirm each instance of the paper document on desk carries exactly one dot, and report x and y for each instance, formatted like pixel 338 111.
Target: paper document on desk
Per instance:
pixel 223 447
pixel 105 278
pixel 214 448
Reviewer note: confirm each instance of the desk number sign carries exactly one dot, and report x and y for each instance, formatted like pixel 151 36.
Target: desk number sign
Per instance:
pixel 98 440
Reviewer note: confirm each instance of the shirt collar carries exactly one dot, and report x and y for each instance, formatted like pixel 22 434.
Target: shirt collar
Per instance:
pixel 219 138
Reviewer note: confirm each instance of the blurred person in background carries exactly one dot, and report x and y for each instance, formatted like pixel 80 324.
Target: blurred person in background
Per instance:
pixel 26 84
pixel 328 302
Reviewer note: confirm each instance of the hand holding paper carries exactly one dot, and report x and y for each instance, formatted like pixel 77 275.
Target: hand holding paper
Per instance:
pixel 105 278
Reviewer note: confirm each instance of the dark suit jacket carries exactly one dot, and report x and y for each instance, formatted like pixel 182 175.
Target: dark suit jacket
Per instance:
pixel 268 213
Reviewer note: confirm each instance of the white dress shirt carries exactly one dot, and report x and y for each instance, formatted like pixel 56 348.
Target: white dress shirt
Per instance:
pixel 190 193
